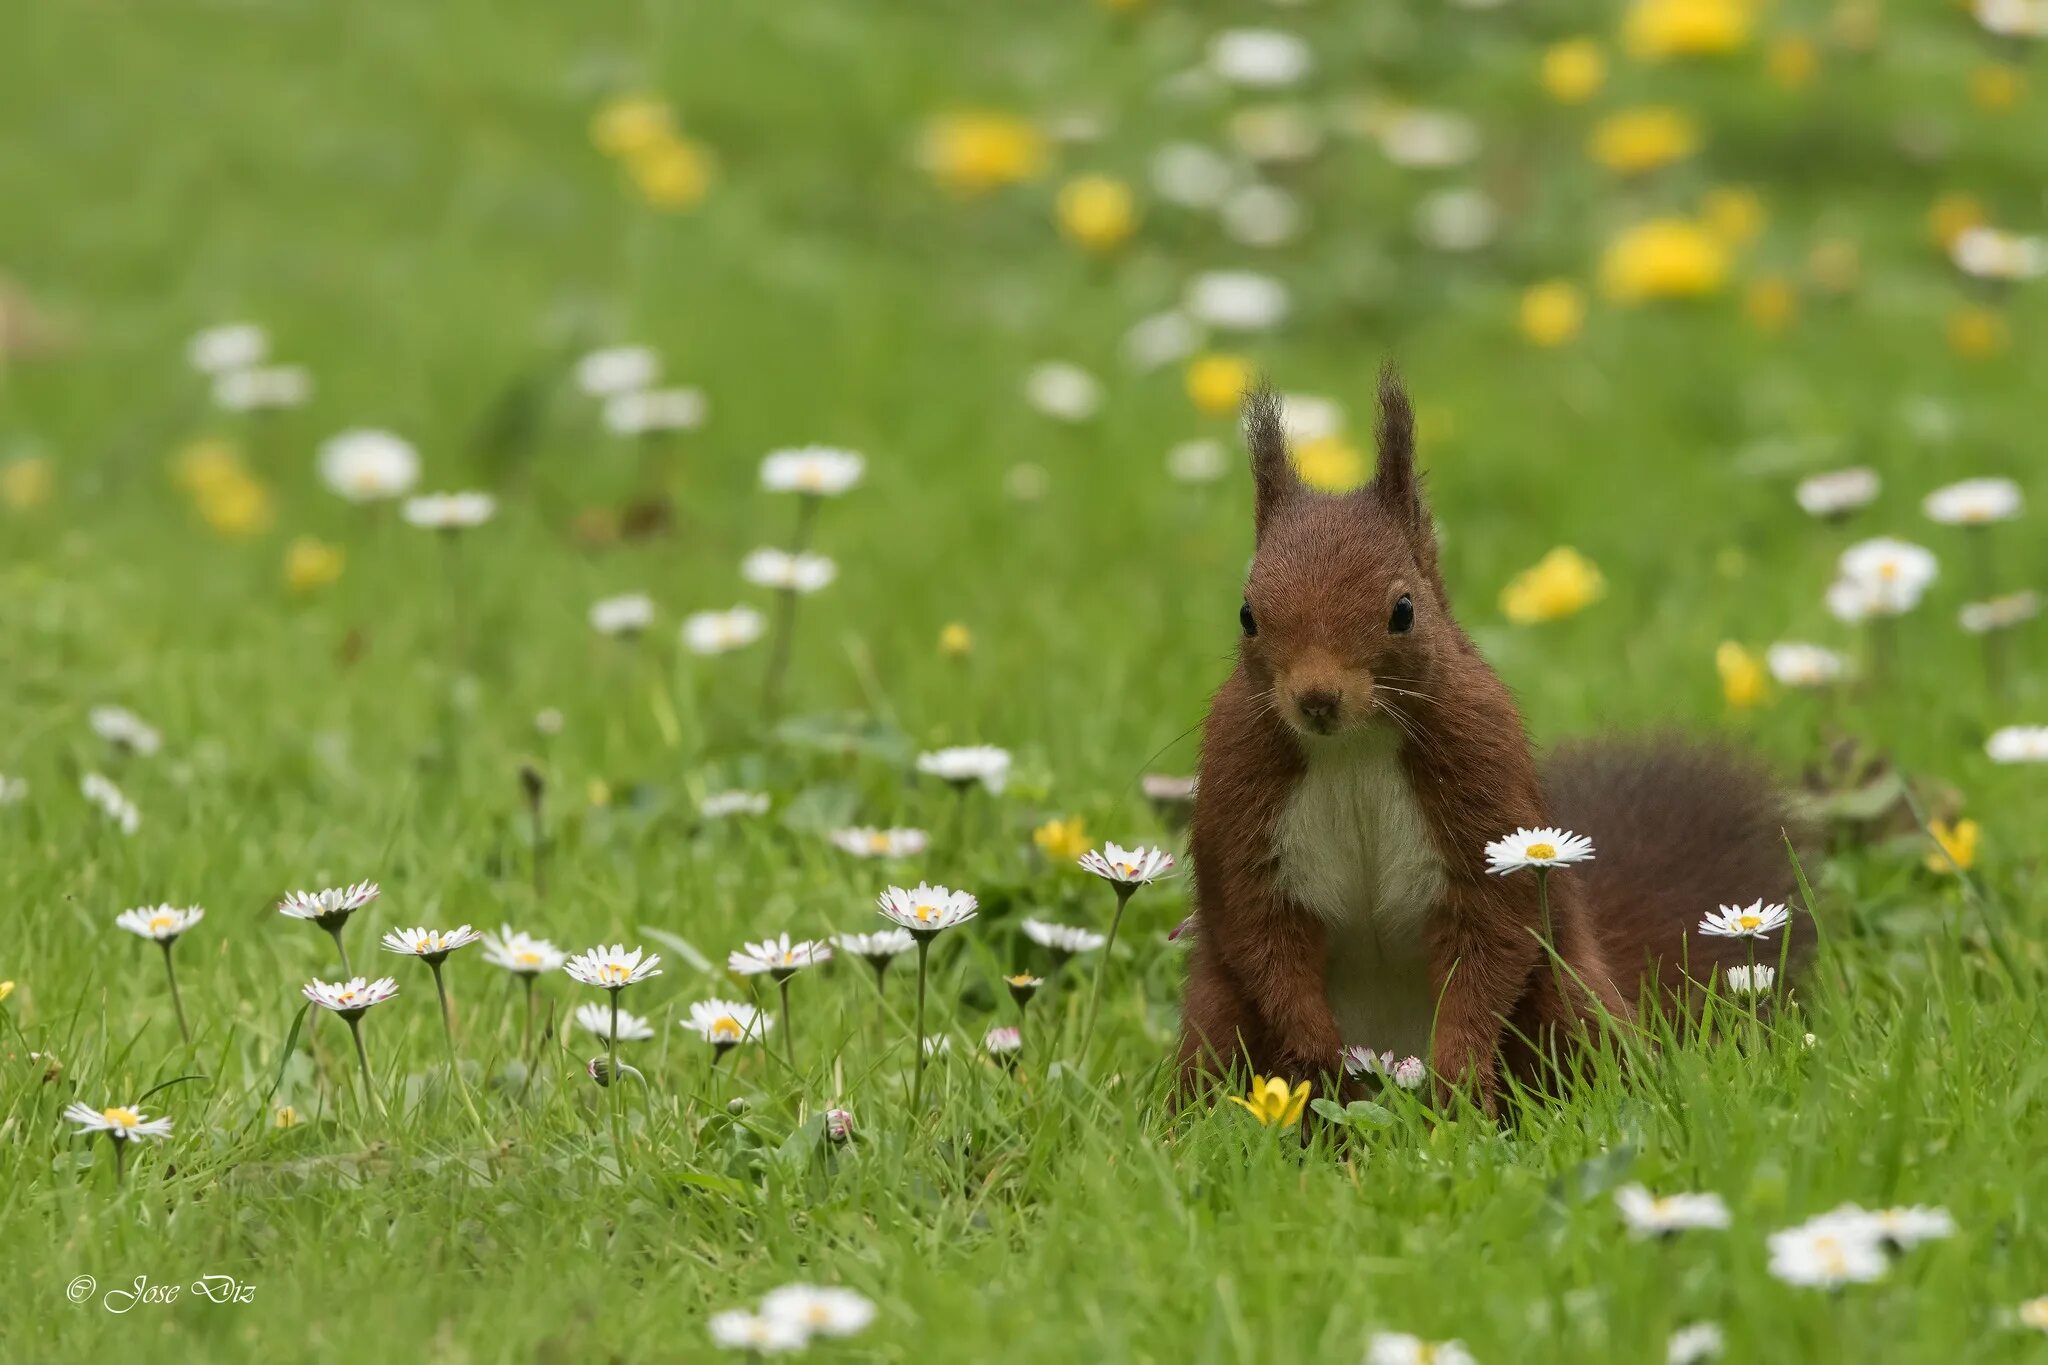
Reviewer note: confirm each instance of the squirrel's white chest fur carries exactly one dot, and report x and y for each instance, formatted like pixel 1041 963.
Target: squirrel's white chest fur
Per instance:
pixel 1352 847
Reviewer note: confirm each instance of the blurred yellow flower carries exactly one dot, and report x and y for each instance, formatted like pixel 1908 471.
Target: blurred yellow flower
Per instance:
pixel 1562 583
pixel 955 640
pixel 1635 141
pixel 1770 304
pixel 632 124
pixel 235 506
pixel 1744 681
pixel 1330 464
pixel 598 791
pixel 287 1117
pixel 1734 213
pixel 1574 70
pixel 311 564
pixel 6 989
pixel 977 151
pixel 1216 383
pixel 1956 845
pixel 1552 312
pixel 206 463
pixel 1975 332
pixel 1062 840
pixel 1271 1102
pixel 1656 29
pixel 1792 62
pixel 1097 212
pixel 1951 216
pixel 1835 265
pixel 1664 258
pixel 26 482
pixel 1996 88
pixel 673 173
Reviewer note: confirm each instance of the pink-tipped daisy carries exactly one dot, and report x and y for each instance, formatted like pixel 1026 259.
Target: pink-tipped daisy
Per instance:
pixel 926 909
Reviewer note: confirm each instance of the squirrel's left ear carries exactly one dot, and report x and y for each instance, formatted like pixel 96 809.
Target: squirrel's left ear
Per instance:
pixel 1396 484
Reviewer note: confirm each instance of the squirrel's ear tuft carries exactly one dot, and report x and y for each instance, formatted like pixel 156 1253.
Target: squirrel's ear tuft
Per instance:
pixel 1266 436
pixel 1395 483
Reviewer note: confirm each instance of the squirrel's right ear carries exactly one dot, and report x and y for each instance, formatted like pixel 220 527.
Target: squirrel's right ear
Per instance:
pixel 1266 436
pixel 1396 483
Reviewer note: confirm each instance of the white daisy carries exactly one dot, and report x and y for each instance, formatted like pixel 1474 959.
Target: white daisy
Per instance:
pixel 1825 1257
pixel 1002 1041
pixel 616 370
pixel 721 632
pixel 450 511
pixel 723 1023
pixel 1837 492
pixel 1425 139
pixel 548 720
pixel 1410 1073
pixel 124 729
pixel 1745 921
pixel 13 790
pixel 800 573
pixel 1360 1060
pixel 367 465
pixel 1986 253
pixel 2034 1312
pixel 816 471
pixel 1548 847
pixel 723 805
pixel 1062 938
pixel 1974 502
pixel 1400 1348
pixel 351 997
pixel 123 1123
pixel 649 412
pixel 1649 1215
pixel 1191 175
pixel 965 765
pixel 1694 1343
pixel 627 614
pixel 865 842
pixel 1999 613
pixel 1127 868
pixel 1197 461
pixel 101 791
pixel 1161 339
pixel 1276 133
pixel 596 1019
pixel 1457 220
pixel 937 1045
pixel 613 968
pixel 268 388
pixel 2012 18
pixel 163 923
pixel 878 948
pixel 780 957
pixel 1887 575
pixel 822 1311
pixel 1262 58
pixel 1900 1229
pixel 756 1333
pixel 1063 391
pixel 521 953
pixel 926 909
pixel 432 944
pixel 1306 417
pixel 1753 980
pixel 2018 744
pixel 331 908
pixel 1262 216
pixel 1796 664
pixel 1237 300
pixel 838 1124
pixel 227 346
pixel 1168 789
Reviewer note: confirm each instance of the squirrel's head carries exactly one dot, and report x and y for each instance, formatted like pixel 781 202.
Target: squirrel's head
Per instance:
pixel 1344 611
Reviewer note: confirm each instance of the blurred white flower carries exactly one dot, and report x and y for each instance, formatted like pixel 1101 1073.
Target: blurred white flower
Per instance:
pixel 1263 58
pixel 721 632
pixel 616 370
pixel 596 1019
pixel 1262 216
pixel 101 792
pixel 522 954
pixel 1063 391
pixel 1426 139
pixel 1838 492
pixel 722 1023
pixel 367 465
pixel 877 949
pixel 2013 18
pixel 1881 577
pixel 648 411
pixel 163 923
pixel 820 471
pixel 720 805
pixel 1200 461
pixel 1004 1040
pixel 1900 1229
pixel 1648 1215
pixel 1276 134
pixel 1161 339
pixel 432 944
pixel 228 346
pixel 450 511
pixel 1062 938
pixel 780 957
pixel 1400 1348
pixel 2000 613
pixel 1309 417
pixel 964 765
pixel 262 389
pixel 124 729
pixel 1457 220
pixel 865 842
pixel 2018 744
pixel 1750 980
pixel 820 1310
pixel 1237 300
pixel 123 1123
pixel 1797 664
pixel 1191 175
pixel 548 720
pixel 1823 1257
pixel 799 573
pixel 1985 253
pixel 1974 502
pixel 627 614
pixel 13 790
pixel 755 1333
pixel 1693 1343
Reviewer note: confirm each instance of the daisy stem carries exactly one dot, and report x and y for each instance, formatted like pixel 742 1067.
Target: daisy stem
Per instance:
pixel 1123 898
pixel 355 1031
pixel 611 1053
pixel 917 1040
pixel 526 1024
pixel 448 1035
pixel 342 948
pixel 788 1027
pixel 177 1002
pixel 778 652
pixel 120 1160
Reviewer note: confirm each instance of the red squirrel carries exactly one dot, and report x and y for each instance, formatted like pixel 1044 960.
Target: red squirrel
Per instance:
pixel 1353 769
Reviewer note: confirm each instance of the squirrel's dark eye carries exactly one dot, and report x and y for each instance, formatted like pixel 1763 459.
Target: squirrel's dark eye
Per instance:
pixel 1244 618
pixel 1403 617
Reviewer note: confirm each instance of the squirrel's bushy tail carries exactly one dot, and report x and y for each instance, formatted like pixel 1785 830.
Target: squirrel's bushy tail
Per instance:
pixel 1678 828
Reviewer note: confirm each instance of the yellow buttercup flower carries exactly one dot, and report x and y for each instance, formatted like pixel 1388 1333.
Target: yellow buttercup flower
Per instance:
pixel 632 124
pixel 287 1117
pixel 1330 464
pixel 1744 681
pixel 1216 383
pixel 1552 312
pixel 1770 304
pixel 1951 216
pixel 1792 62
pixel 26 483
pixel 6 989
pixel 236 506
pixel 1733 213
pixel 1574 70
pixel 1665 258
pixel 673 173
pixel 1636 141
pixel 1996 88
pixel 206 463
pixel 1975 332
pixel 1957 845
pixel 1562 583
pixel 1271 1102
pixel 975 152
pixel 1063 841
pixel 1656 29
pixel 955 640
pixel 1097 212
pixel 311 564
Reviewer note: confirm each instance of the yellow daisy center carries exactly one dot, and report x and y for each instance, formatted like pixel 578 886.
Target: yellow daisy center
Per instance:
pixel 878 842
pixel 810 477
pixel 926 914
pixel 528 957
pixel 1831 1256
pixel 614 971
pixel 121 1118
pixel 159 923
pixel 1748 921
pixel 1542 851
pixel 726 1029
pixel 346 996
pixel 1888 570
pixel 364 480
pixel 1128 869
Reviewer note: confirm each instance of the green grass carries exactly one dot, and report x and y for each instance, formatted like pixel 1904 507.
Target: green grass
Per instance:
pixel 407 198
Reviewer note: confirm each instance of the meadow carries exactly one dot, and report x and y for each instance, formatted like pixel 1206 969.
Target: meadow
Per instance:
pixel 1649 269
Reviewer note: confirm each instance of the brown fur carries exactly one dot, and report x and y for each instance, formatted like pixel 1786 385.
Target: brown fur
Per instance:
pixel 1677 830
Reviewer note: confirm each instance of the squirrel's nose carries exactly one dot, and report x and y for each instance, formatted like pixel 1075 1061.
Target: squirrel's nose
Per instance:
pixel 1318 707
